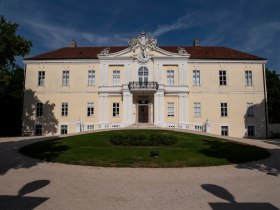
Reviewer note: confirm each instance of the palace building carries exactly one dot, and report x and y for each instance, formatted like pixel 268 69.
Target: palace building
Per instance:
pixel 216 90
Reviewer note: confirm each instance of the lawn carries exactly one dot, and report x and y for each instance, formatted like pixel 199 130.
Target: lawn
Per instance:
pixel 190 150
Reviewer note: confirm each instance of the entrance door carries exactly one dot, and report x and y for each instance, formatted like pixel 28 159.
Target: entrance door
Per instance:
pixel 143 114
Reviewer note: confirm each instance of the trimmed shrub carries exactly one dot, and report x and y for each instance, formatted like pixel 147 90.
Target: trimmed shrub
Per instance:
pixel 142 140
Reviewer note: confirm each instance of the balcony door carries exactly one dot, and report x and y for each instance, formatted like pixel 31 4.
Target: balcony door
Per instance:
pixel 143 75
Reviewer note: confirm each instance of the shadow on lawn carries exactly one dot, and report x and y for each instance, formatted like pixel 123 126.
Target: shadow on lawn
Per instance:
pixel 21 201
pixel 46 150
pixel 249 157
pixel 230 202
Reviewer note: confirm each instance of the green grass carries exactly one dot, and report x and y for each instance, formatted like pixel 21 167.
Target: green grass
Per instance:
pixel 190 150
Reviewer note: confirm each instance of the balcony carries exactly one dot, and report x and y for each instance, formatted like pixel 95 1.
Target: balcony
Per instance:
pixel 143 86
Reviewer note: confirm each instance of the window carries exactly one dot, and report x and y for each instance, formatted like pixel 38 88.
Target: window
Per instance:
pixel 197 109
pixel 116 109
pixel 38 130
pixel 248 78
pixel 224 130
pixel 65 78
pixel 91 78
pixel 64 109
pixel 90 127
pixel 170 77
pixel 196 77
pixel 251 130
pixel 223 77
pixel 63 129
pixel 116 77
pixel 39 109
pixel 143 74
pixel 90 109
pixel 224 110
pixel 250 110
pixel 170 109
pixel 41 78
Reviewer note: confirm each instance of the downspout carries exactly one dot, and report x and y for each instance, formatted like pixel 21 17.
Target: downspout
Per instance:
pixel 265 101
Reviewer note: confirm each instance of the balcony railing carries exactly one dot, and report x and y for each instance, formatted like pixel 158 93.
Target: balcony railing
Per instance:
pixel 143 85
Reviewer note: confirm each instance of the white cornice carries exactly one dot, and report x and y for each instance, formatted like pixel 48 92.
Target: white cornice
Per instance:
pixel 62 61
pixel 226 61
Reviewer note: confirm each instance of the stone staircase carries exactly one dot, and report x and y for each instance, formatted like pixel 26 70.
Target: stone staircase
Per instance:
pixel 143 125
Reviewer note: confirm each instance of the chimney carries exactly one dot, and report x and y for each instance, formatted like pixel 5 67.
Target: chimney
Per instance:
pixel 196 43
pixel 73 43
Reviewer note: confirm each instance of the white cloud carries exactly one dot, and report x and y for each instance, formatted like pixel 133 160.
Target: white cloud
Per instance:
pixel 54 36
pixel 181 23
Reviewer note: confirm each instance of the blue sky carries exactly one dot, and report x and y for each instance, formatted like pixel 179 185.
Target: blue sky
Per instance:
pixel 251 26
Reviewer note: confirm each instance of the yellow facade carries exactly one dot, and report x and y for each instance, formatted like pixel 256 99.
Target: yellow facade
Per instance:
pixel 144 84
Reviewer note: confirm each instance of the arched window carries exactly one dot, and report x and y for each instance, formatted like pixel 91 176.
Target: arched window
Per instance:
pixel 143 74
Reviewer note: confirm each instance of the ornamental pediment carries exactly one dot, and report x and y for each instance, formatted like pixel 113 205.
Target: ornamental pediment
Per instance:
pixel 142 49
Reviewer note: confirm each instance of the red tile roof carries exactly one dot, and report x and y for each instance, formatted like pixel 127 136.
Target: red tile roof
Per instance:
pixel 195 52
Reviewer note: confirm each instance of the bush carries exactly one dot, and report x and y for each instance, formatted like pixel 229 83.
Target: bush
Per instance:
pixel 142 140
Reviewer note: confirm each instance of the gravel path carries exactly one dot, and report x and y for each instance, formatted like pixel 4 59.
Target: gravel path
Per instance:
pixel 26 183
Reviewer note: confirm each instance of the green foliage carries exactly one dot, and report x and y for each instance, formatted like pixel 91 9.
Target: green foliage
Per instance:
pixel 11 77
pixel 11 45
pixel 142 140
pixel 273 96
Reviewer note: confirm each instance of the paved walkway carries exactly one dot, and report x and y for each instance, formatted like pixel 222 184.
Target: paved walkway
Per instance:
pixel 26 183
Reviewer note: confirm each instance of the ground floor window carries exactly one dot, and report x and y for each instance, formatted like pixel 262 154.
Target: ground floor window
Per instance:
pixel 90 127
pixel 38 130
pixel 116 109
pixel 251 131
pixel 64 129
pixel 170 109
pixel 224 130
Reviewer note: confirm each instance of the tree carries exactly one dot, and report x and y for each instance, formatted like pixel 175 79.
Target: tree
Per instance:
pixel 273 96
pixel 11 77
pixel 11 45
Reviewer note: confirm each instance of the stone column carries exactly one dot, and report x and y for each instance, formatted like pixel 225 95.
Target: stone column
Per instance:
pixel 181 110
pixel 161 111
pixel 103 108
pixel 181 75
pixel 127 108
pixel 159 108
pixel 186 107
pixel 156 109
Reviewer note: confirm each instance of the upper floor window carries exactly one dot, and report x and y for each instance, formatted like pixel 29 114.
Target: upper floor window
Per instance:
pixel 248 78
pixel 143 74
pixel 64 109
pixel 116 77
pixel 41 78
pixel 65 78
pixel 224 111
pixel 90 109
pixel 197 109
pixel 196 77
pixel 170 77
pixel 91 77
pixel 223 77
pixel 170 109
pixel 116 109
pixel 39 109
pixel 250 110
